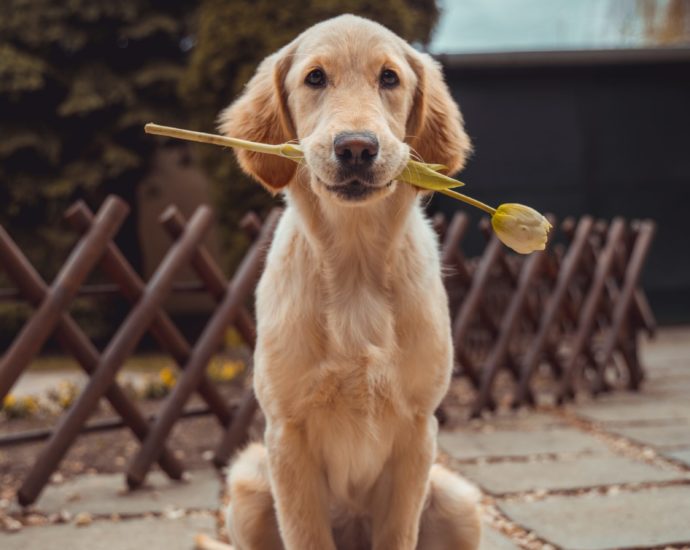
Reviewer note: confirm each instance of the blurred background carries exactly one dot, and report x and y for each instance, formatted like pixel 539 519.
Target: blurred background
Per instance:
pixel 573 107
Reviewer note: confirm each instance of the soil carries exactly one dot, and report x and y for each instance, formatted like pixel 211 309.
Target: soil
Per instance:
pixel 193 440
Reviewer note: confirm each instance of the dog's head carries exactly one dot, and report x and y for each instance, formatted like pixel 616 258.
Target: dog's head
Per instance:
pixel 359 100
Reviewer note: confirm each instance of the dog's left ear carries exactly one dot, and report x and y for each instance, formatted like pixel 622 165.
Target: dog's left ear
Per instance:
pixel 260 114
pixel 435 125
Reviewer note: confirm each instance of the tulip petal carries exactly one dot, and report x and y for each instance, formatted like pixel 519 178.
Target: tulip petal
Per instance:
pixel 426 176
pixel 521 228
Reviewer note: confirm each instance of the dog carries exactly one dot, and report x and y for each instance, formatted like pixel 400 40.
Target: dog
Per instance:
pixel 354 351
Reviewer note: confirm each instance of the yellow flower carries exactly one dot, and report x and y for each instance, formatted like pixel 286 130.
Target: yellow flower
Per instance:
pixel 9 402
pixel 20 407
pixel 233 338
pixel 167 377
pixel 520 227
pixel 30 404
pixel 224 370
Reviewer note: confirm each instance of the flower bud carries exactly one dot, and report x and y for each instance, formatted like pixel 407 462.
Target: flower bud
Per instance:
pixel 520 227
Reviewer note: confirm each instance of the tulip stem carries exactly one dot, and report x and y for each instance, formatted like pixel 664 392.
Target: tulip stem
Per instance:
pixel 202 137
pixel 469 200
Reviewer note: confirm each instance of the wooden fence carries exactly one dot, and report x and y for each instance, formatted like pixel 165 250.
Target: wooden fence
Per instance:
pixel 576 308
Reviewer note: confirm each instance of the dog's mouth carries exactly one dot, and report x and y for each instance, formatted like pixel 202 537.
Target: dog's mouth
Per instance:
pixel 356 190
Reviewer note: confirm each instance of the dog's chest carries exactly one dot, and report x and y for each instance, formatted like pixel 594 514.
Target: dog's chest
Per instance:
pixel 352 431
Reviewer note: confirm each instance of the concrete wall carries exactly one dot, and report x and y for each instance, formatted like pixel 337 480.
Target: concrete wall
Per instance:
pixel 601 134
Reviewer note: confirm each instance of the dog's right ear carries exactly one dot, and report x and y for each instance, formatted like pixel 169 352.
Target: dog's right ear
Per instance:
pixel 260 114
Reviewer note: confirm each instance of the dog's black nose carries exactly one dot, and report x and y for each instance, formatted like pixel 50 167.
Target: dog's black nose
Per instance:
pixel 356 148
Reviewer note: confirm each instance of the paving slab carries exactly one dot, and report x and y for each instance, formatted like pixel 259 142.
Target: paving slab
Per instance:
pixel 523 422
pixel 652 517
pixel 132 534
pixel 667 435
pixel 642 408
pixel 495 540
pixel 668 342
pixel 466 444
pixel 105 494
pixel 683 455
pixel 39 382
pixel 669 386
pixel 570 473
pixel 667 362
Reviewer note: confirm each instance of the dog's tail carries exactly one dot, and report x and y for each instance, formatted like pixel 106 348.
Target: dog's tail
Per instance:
pixel 452 516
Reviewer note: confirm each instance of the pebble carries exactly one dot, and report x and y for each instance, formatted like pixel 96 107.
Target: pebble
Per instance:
pixel 12 525
pixel 82 519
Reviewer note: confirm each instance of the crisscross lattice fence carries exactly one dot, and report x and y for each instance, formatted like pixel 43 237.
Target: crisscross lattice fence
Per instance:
pixel 95 248
pixel 574 311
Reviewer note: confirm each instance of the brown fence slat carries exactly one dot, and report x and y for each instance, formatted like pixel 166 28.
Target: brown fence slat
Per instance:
pixel 77 267
pixel 553 309
pixel 213 278
pixel 97 426
pixel 240 288
pixel 104 289
pixel 621 309
pixel 237 434
pixel 590 308
pixel 163 329
pixel 511 318
pixel 74 341
pixel 119 348
pixel 471 305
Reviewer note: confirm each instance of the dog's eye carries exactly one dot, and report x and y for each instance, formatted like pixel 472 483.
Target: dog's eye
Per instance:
pixel 316 78
pixel 389 79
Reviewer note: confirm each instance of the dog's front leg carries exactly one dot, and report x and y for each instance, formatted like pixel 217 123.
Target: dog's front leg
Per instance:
pixel 300 491
pixel 401 490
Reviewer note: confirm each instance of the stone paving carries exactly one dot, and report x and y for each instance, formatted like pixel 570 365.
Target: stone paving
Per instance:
pixel 149 533
pixel 97 512
pixel 104 495
pixel 607 474
pixel 604 474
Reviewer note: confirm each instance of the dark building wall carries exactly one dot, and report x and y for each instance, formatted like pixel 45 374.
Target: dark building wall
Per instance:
pixel 597 136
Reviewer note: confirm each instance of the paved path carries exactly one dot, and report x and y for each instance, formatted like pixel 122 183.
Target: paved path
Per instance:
pixel 605 474
pixel 611 473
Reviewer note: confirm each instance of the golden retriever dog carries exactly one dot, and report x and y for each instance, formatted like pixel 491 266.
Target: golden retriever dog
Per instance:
pixel 354 349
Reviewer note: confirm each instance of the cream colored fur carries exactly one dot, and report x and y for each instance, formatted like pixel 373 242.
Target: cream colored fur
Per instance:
pixel 354 351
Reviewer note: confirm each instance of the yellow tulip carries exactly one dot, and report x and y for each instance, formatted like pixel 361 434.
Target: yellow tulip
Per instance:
pixel 167 377
pixel 521 228
pixel 416 173
pixel 517 226
pixel 9 401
